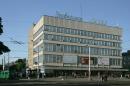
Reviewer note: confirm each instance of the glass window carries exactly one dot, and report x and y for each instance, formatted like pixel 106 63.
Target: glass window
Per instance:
pixel 81 40
pixel 86 33
pixel 72 48
pixel 92 50
pixel 54 58
pixel 113 61
pixel 60 29
pixel 110 61
pixel 50 58
pixel 72 39
pixel 46 28
pixel 72 31
pixel 76 32
pixel 81 32
pixel 59 59
pixel 82 49
pixel 65 39
pixel 95 35
pixel 68 31
pixel 65 48
pixel 54 48
pixel 53 29
pixel 86 50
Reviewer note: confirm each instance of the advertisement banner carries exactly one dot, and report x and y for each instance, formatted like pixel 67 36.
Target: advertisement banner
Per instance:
pixel 84 60
pixel 103 61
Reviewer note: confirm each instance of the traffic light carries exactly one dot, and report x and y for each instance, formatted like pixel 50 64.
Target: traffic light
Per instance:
pixel 1 26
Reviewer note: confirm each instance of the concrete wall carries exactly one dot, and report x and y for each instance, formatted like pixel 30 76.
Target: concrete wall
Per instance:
pixel 82 25
pixel 30 48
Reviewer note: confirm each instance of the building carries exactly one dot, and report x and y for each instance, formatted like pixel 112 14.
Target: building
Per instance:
pixel 126 59
pixel 59 45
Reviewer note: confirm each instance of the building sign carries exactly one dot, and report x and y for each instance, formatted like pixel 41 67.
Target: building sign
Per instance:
pixel 66 16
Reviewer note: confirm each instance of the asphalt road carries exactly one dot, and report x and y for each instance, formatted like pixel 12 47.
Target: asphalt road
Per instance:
pixel 47 83
pixel 67 82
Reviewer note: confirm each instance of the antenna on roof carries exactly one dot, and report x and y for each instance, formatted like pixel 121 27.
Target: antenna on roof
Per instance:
pixel 81 10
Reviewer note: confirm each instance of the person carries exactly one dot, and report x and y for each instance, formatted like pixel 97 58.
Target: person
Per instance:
pixel 28 75
pixel 105 78
pixel 102 77
pixel 65 75
pixel 43 75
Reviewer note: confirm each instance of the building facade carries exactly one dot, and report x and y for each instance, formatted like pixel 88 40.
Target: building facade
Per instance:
pixel 60 44
pixel 126 59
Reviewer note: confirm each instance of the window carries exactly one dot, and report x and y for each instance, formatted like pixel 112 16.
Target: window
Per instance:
pixel 68 31
pixel 65 39
pixel 50 37
pixel 72 31
pixel 54 48
pixel 76 32
pixel 82 33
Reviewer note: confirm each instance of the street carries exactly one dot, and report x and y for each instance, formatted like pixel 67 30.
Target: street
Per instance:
pixel 65 82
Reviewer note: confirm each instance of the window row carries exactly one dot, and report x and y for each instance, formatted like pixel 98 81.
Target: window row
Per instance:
pixel 114 61
pixel 52 37
pixel 50 58
pixel 53 58
pixel 80 32
pixel 81 50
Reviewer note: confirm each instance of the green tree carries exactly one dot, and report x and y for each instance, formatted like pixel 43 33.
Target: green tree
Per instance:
pixel 3 48
pixel 19 65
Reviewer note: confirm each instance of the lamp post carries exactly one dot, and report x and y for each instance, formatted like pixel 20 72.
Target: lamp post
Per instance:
pixel 89 71
pixel 89 65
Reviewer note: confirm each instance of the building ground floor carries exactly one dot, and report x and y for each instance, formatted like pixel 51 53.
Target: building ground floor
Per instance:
pixel 76 72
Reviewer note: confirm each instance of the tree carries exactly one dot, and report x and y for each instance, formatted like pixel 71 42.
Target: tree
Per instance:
pixel 3 48
pixel 19 65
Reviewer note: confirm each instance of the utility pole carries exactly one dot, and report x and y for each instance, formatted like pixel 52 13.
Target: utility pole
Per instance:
pixel 89 65
pixel 4 63
pixel 1 26
pixel 8 60
pixel 89 76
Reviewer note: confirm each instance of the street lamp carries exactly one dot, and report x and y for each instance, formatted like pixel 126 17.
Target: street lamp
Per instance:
pixel 89 66
pixel 89 73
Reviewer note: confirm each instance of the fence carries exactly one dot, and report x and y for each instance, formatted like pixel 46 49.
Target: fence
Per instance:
pixel 4 74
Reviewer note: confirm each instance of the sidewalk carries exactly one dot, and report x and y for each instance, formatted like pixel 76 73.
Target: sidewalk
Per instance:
pixel 93 79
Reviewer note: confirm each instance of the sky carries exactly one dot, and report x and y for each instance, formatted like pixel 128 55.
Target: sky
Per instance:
pixel 19 15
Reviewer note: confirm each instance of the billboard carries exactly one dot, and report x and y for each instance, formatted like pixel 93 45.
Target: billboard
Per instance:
pixel 103 61
pixel 70 59
pixel 84 60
